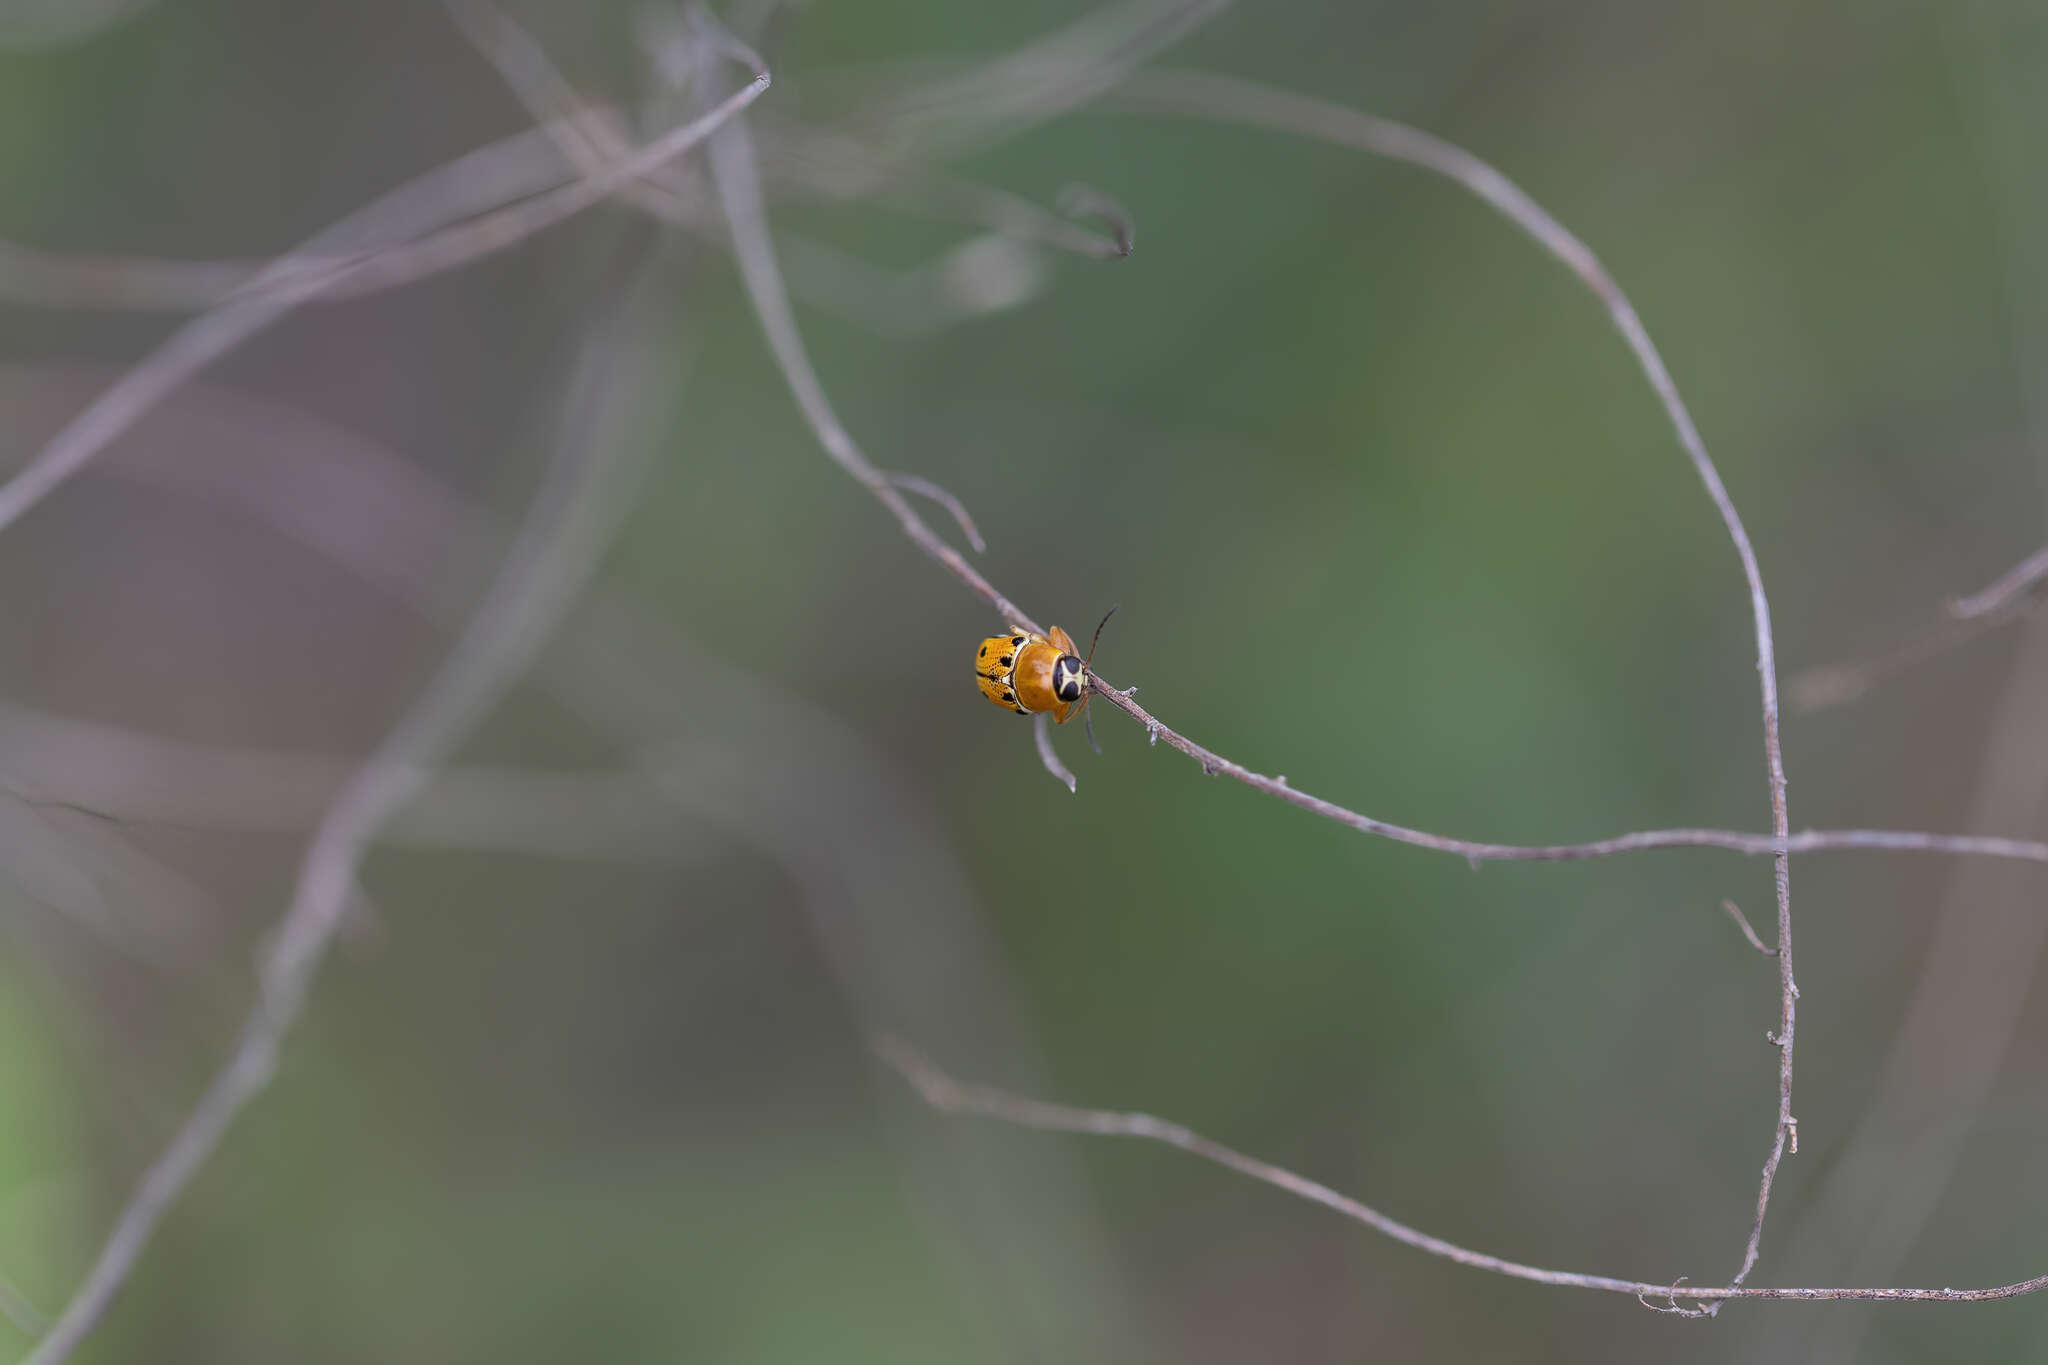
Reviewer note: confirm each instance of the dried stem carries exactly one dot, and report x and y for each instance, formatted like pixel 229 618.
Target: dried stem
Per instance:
pixel 542 573
pixel 1837 684
pixel 1041 735
pixel 738 180
pixel 925 488
pixel 944 1093
pixel 113 773
pixel 1243 102
pixel 293 280
pixel 2015 581
pixel 737 174
pixel 49 279
pixel 1736 841
pixel 19 1310
pixel 1742 923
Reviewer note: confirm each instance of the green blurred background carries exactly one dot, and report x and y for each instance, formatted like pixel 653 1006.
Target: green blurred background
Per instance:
pixel 1388 509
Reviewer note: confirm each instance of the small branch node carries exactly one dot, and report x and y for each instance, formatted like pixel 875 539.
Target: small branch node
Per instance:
pixel 1792 1134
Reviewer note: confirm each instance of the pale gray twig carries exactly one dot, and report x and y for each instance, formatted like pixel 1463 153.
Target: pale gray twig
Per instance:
pixel 2003 592
pixel 737 176
pixel 50 279
pixel 1041 735
pixel 734 169
pixel 925 488
pixel 1836 684
pixel 292 282
pixel 1636 841
pixel 543 571
pixel 944 1093
pixel 19 1310
pixel 1201 95
pixel 1742 923
pixel 129 776
pixel 1061 71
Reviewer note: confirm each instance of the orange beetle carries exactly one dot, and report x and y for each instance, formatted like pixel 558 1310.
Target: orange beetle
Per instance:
pixel 1027 672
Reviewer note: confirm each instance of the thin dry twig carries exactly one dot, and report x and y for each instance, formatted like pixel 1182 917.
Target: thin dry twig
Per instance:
pixel 1742 923
pixel 1836 684
pixel 19 1310
pixel 2005 591
pixel 293 281
pixel 947 1095
pixel 1041 735
pixel 736 173
pixel 1063 70
pixel 131 777
pixel 50 279
pixel 739 186
pixel 925 488
pixel 1243 102
pixel 1636 841
pixel 542 573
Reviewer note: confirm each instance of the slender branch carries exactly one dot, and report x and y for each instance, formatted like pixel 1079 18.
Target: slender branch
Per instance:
pixel 734 169
pixel 132 777
pixel 1837 684
pixel 542 573
pixel 1041 735
pixel 50 279
pixel 1742 922
pixel 737 175
pixel 1047 77
pixel 2010 585
pixel 293 281
pixel 19 1310
pixel 925 488
pixel 1636 841
pixel 947 1095
pixel 1243 102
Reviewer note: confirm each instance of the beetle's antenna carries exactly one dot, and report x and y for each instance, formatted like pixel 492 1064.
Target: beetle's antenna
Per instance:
pixel 1098 635
pixel 1088 721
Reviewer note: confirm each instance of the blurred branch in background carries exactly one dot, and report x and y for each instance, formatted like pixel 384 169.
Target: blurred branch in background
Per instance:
pixel 1994 600
pixel 110 773
pixel 589 481
pixel 898 918
pixel 294 280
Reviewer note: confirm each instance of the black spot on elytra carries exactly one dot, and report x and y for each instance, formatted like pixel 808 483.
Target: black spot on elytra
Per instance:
pixel 1016 639
pixel 984 652
pixel 1003 662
